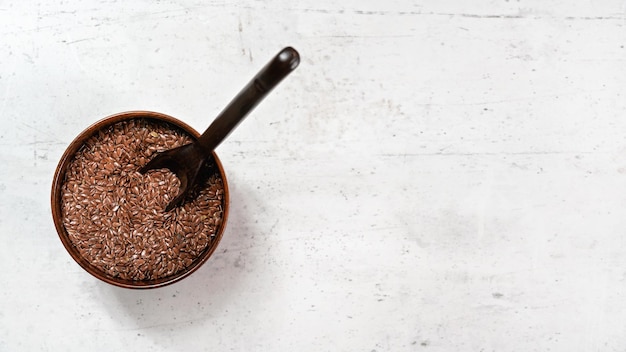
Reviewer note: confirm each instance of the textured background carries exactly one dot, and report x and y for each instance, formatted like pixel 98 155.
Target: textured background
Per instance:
pixel 436 175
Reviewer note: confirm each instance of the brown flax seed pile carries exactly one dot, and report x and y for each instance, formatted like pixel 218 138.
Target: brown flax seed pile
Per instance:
pixel 115 216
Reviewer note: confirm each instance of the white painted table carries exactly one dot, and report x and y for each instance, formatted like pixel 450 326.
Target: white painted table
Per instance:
pixel 437 176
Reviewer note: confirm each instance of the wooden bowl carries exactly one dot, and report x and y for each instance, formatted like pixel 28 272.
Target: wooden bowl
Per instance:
pixel 59 178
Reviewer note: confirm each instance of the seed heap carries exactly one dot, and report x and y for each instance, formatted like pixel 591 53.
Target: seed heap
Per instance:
pixel 115 216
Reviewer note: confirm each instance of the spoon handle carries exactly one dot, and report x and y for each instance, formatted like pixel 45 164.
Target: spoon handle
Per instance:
pixel 252 94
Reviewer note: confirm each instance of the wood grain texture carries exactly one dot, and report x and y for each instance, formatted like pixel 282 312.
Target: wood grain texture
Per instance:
pixel 436 175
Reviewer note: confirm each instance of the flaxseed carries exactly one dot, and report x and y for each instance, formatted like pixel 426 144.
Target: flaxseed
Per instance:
pixel 115 216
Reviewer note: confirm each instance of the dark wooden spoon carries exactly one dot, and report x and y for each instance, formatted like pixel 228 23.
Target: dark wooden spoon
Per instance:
pixel 188 161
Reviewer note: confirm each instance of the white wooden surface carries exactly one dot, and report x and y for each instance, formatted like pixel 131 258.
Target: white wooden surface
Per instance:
pixel 436 175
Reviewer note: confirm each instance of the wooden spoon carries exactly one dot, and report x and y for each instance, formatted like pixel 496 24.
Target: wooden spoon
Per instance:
pixel 188 161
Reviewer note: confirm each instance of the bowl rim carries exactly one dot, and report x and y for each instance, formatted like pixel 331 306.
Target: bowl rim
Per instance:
pixel 59 176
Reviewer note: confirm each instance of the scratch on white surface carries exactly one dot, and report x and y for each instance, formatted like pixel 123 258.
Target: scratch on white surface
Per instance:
pixel 79 40
pixel 164 326
pixel 534 97
pixel 520 15
pixel 41 131
pixel 456 154
pixel 74 52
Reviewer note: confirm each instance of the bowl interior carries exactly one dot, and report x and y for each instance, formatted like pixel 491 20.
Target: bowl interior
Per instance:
pixel 59 178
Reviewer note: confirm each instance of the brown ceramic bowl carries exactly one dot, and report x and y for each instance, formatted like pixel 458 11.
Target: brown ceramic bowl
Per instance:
pixel 59 178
